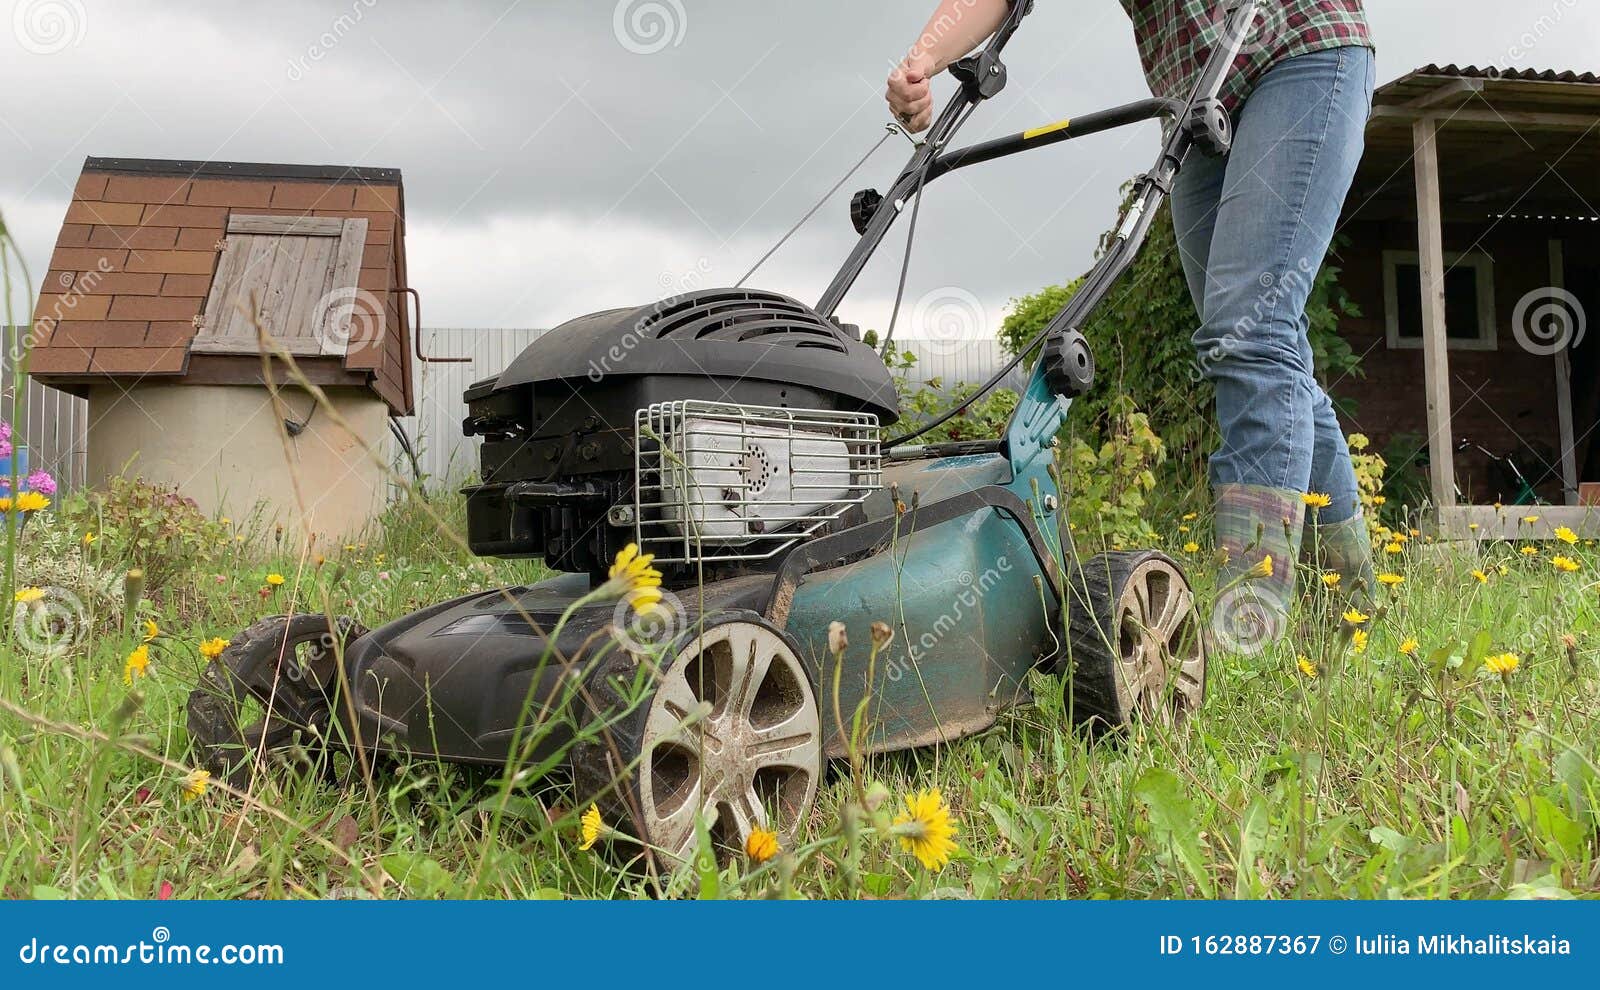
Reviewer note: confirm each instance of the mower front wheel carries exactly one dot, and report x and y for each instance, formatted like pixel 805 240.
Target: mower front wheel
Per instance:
pixel 730 735
pixel 1136 649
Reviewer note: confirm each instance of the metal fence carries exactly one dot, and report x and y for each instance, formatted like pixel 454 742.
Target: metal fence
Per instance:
pixel 53 425
pixel 446 455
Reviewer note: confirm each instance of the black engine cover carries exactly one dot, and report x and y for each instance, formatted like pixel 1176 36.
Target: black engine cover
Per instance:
pixel 561 415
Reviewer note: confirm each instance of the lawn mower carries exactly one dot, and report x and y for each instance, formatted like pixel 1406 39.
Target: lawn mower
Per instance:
pixel 736 435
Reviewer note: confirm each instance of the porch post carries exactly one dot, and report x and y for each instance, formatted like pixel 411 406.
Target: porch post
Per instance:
pixel 1435 354
pixel 1569 457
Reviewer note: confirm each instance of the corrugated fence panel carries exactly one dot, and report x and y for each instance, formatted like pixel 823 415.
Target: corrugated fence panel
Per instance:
pixel 447 457
pixel 53 425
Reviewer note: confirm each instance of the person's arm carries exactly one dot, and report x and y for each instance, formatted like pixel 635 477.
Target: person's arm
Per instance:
pixel 956 28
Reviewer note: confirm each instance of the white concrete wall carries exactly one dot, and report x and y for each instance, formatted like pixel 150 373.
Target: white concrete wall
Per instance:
pixel 225 447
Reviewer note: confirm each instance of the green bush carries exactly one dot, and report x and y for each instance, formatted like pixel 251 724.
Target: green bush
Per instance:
pixel 1140 337
pixel 138 524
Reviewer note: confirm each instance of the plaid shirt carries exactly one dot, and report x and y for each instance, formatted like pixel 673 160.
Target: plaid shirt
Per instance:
pixel 1175 36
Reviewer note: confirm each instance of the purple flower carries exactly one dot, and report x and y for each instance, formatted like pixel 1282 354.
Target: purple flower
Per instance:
pixel 5 430
pixel 5 448
pixel 41 482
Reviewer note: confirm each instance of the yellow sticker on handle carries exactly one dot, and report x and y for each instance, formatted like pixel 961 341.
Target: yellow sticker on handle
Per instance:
pixel 1059 125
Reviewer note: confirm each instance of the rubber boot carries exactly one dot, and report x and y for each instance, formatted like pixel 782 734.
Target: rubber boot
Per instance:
pixel 1345 548
pixel 1258 536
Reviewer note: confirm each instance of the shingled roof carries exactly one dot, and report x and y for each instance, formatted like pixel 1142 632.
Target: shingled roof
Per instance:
pixel 164 269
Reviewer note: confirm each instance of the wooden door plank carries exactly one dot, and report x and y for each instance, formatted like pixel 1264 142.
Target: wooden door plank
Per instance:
pixel 300 310
pixel 240 223
pixel 346 270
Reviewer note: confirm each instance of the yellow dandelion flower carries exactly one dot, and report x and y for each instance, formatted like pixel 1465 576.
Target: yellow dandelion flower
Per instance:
pixel 1190 516
pixel 274 579
pixel 137 665
pixel 1473 527
pixel 28 595
pixel 1392 548
pixel 1503 663
pixel 1416 532
pixel 1355 616
pixel 925 829
pixel 195 784
pixel 593 827
pixel 1307 667
pixel 1317 500
pixel 88 538
pixel 761 846
pixel 1331 579
pixel 1183 529
pixel 1409 646
pixel 1528 551
pixel 31 502
pixel 1263 568
pixel 1358 641
pixel 1480 577
pixel 1502 570
pixel 1530 520
pixel 1191 547
pixel 213 647
pixel 5 503
pixel 632 569
pixel 1379 500
pixel 1564 564
pixel 1390 580
pixel 1566 535
pixel 151 630
pixel 1357 441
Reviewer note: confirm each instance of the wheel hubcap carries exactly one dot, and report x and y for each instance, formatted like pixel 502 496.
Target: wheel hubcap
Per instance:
pixel 733 733
pixel 1161 659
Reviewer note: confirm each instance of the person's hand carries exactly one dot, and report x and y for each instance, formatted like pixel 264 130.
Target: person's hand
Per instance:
pixel 910 96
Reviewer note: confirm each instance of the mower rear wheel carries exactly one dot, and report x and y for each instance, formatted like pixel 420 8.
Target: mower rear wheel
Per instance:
pixel 273 686
pixel 731 733
pixel 1136 644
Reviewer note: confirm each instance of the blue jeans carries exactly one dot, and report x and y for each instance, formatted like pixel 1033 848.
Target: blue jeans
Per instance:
pixel 1252 231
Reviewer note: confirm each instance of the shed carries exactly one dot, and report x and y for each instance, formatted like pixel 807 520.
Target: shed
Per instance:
pixel 162 276
pixel 1473 251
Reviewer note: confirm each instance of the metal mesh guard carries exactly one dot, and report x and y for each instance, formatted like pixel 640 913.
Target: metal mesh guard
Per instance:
pixel 722 481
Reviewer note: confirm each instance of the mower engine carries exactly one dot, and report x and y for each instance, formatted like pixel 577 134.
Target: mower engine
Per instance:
pixel 715 429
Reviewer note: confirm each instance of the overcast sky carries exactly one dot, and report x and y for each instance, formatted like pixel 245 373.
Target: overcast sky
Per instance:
pixel 563 157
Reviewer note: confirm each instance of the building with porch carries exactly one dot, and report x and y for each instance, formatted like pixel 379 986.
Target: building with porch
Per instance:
pixel 1473 251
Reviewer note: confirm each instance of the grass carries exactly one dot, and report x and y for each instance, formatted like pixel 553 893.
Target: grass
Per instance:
pixel 1386 775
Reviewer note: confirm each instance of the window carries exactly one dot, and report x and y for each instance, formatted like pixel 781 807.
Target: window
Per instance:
pixel 1468 300
pixel 295 276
